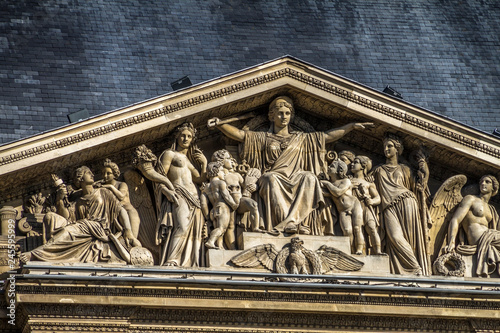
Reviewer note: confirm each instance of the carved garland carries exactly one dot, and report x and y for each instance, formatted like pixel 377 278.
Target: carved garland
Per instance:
pixel 245 85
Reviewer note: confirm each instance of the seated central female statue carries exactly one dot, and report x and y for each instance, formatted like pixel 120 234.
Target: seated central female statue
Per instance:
pixel 290 162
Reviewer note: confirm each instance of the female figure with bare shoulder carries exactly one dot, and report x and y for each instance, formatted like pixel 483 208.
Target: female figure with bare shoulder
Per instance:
pixel 476 217
pixel 180 219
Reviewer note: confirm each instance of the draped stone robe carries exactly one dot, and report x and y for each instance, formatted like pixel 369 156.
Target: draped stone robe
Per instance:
pixel 86 239
pixel 180 240
pixel 401 220
pixel 289 187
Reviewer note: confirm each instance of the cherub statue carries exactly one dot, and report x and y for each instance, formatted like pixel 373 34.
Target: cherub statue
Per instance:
pixel 110 173
pixel 248 185
pixel 135 198
pixel 369 197
pixel 347 157
pixel 223 204
pixel 348 206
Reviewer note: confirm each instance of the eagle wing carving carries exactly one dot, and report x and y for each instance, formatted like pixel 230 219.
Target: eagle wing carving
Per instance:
pixel 264 255
pixel 333 259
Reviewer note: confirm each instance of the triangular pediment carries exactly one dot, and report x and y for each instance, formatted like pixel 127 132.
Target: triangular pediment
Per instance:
pixel 324 99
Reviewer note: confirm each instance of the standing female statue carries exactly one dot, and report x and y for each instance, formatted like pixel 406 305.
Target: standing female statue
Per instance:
pixel 180 218
pixel 290 162
pixel 400 211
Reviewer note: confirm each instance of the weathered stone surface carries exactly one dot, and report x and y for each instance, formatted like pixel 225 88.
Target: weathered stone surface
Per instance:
pixel 82 218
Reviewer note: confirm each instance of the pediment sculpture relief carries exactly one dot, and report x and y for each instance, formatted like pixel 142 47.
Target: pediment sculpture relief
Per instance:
pixel 174 209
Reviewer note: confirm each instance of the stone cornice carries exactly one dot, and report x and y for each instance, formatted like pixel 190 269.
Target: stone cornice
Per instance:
pixel 176 308
pixel 218 90
pixel 208 292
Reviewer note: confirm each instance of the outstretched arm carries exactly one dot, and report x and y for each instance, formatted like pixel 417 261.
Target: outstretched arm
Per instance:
pixel 336 190
pixel 121 192
pixel 337 133
pixel 229 130
pixel 150 173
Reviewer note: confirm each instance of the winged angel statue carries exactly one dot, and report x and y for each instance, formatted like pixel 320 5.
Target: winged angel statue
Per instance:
pixel 465 225
pixel 295 259
pixel 441 210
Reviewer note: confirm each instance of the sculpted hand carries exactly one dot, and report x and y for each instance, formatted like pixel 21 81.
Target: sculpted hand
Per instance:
pixel 129 238
pixel 171 195
pixel 359 126
pixel 251 188
pixel 325 184
pixel 450 247
pixel 199 157
pixel 62 193
pixel 213 122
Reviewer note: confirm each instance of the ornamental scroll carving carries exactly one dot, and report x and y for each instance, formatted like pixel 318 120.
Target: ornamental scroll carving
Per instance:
pixel 282 180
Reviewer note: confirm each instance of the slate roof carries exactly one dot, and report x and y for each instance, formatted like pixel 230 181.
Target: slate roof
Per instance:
pixel 61 56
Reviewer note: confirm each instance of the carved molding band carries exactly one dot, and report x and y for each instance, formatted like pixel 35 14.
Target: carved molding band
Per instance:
pixel 288 72
pixel 179 320
pixel 261 296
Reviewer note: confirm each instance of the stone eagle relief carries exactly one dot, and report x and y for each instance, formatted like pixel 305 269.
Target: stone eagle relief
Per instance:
pixel 179 208
pixel 294 258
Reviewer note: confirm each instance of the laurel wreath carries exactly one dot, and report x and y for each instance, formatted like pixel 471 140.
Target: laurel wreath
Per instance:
pixel 451 259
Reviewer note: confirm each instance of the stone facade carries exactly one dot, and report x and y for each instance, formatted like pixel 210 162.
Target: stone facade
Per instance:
pixel 298 277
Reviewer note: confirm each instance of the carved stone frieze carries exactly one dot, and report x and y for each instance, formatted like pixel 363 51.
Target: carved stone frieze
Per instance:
pixel 394 299
pixel 178 320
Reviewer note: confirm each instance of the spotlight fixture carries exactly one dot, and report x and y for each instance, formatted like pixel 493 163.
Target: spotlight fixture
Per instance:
pixel 389 91
pixel 78 116
pixel 181 83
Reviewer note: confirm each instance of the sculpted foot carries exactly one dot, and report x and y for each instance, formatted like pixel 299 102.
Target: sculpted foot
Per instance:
pixel 171 264
pixel 303 230
pixel 291 228
pixel 25 257
pixel 210 245
pixel 274 232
